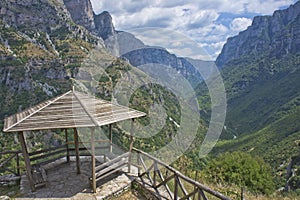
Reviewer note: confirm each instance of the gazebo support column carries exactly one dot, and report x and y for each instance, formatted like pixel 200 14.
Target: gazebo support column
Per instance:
pixel 27 160
pixel 131 146
pixel 77 150
pixel 93 159
pixel 67 146
pixel 110 138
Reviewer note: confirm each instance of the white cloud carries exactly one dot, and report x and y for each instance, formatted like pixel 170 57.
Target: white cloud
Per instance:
pixel 240 24
pixel 196 19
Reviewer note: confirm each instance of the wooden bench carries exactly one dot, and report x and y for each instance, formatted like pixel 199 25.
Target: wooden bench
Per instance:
pixel 39 176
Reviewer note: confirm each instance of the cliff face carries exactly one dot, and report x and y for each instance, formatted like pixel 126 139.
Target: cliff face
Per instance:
pixel 104 25
pixel 160 56
pixel 277 35
pixel 82 13
pixel 40 49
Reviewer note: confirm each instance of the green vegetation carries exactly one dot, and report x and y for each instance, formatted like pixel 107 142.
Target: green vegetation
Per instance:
pixel 242 169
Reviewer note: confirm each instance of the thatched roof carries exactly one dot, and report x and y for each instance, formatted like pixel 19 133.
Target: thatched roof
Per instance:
pixel 70 110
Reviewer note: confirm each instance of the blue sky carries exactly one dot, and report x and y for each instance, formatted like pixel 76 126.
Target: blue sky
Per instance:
pixel 207 22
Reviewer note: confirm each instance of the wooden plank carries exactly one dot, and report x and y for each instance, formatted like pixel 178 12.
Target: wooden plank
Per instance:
pixel 47 155
pixel 18 129
pixel 110 173
pixel 44 106
pixel 77 151
pixel 111 167
pixel 49 160
pixel 102 166
pixel 46 150
pixel 9 152
pixel 27 160
pixel 86 110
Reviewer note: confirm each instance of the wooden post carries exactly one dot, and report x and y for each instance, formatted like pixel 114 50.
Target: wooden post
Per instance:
pixel 18 164
pixel 196 177
pixel 154 173
pixel 27 160
pixel 139 163
pixel 67 146
pixel 175 187
pixel 242 193
pixel 110 138
pixel 93 159
pixel 131 145
pixel 77 150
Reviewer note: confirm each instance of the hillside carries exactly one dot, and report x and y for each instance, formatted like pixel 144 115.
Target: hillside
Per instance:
pixel 261 70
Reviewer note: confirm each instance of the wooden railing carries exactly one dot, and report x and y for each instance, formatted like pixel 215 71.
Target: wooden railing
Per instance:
pixel 171 183
pixel 111 166
pixel 10 156
pixel 46 156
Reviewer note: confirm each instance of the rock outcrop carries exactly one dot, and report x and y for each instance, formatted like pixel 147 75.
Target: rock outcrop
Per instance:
pixel 104 25
pixel 277 35
pixel 82 13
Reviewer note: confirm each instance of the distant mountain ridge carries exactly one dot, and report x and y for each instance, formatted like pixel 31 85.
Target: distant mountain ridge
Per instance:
pixel 127 46
pixel 277 35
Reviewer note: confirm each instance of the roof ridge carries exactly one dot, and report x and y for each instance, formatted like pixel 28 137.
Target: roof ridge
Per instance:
pixel 86 110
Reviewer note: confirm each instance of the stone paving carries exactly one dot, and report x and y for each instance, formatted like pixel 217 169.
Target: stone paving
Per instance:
pixel 65 183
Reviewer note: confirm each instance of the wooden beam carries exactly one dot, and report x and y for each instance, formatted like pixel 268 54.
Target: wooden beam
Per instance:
pixel 93 159
pixel 131 146
pixel 27 160
pixel 175 187
pixel 110 138
pixel 166 185
pixel 67 146
pixel 77 150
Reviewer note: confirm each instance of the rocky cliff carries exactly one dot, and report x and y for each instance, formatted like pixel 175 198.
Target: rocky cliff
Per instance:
pixel 40 49
pixel 276 35
pixel 82 13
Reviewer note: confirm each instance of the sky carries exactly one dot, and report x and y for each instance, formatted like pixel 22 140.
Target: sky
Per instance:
pixel 207 22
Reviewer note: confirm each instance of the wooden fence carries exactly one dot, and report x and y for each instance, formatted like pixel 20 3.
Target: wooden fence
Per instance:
pixel 6 158
pixel 169 181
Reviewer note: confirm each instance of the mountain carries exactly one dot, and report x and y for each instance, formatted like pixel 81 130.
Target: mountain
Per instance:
pixel 261 69
pixel 82 14
pixel 127 46
pixel 277 35
pixel 40 49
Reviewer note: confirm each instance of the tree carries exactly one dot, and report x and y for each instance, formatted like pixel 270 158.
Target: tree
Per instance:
pixel 243 170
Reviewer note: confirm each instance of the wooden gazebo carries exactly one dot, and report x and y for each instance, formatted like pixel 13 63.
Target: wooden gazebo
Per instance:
pixel 71 110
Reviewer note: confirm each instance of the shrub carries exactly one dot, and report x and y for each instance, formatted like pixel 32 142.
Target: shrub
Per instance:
pixel 242 169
